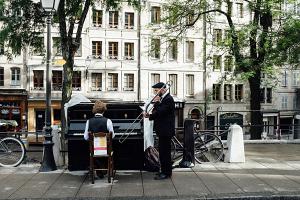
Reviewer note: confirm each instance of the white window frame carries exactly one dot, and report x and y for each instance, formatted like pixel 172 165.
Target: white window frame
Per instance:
pixel 284 79
pixel 128 82
pixel 96 50
pixel 155 78
pixel 284 102
pixel 97 81
pixel 296 78
pixel 15 76
pixel 190 85
pixel 190 51
pixel 112 81
pixel 173 89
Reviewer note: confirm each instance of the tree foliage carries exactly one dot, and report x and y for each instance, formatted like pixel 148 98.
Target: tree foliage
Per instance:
pixel 250 42
pixel 23 22
pixel 287 47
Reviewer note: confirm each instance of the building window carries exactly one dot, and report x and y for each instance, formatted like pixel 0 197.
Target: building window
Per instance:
pixel 97 18
pixel 173 50
pixel 1 49
pixel 266 95
pixel 228 64
pixel 112 82
pixel 240 10
pixel 172 18
pixel 57 50
pixel 78 53
pixel 15 76
pixel 284 79
pixel 227 37
pixel 296 79
pixel 262 95
pixel 216 92
pixel 129 51
pixel 96 82
pixel 229 8
pixel 190 85
pixel 155 15
pixel 37 47
pixel 284 102
pixel 129 20
pixel 218 5
pixel 269 95
pixel 128 82
pixel 76 81
pixel 217 36
pixel 57 80
pixel 38 79
pixel 113 50
pixel 155 48
pixel 227 92
pixel 113 19
pixel 217 59
pixel 97 49
pixel 173 88
pixel 238 92
pixel 190 17
pixel 190 51
pixel 295 103
pixel 155 78
pixel 1 76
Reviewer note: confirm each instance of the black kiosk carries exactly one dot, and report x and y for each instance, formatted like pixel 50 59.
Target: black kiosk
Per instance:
pixel 128 147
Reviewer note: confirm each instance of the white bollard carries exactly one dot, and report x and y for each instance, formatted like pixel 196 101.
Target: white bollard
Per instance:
pixel 235 143
pixel 57 147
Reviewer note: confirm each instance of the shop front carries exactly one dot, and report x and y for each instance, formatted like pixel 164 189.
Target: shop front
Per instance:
pixel 13 106
pixel 37 114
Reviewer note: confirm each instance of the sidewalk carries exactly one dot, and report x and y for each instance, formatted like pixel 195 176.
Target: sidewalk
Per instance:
pixel 271 171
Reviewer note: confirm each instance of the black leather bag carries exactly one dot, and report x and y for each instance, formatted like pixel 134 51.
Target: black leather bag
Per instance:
pixel 151 163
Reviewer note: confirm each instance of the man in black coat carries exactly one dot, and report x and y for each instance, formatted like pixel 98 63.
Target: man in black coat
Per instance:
pixel 163 115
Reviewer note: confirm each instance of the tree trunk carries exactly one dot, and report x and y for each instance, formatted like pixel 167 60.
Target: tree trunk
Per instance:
pixel 66 96
pixel 256 115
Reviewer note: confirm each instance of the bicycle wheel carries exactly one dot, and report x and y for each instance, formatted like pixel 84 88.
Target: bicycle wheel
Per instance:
pixel 12 152
pixel 176 151
pixel 208 148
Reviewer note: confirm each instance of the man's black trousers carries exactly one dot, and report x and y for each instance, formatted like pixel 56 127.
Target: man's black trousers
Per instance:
pixel 164 147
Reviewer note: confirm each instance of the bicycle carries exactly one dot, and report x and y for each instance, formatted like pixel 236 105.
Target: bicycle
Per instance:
pixel 12 151
pixel 208 147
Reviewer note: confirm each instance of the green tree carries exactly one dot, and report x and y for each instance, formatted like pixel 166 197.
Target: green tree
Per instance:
pixel 287 47
pixel 249 43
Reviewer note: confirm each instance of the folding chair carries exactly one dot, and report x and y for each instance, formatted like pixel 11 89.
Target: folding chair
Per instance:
pixel 101 147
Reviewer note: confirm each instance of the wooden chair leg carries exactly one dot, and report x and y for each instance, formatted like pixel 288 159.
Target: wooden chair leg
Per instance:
pixel 92 170
pixel 108 170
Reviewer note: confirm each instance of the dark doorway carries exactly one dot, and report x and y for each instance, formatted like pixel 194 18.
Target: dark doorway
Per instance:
pixel 210 122
pixel 39 120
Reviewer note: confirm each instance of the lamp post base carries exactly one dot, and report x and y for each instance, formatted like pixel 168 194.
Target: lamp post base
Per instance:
pixel 48 163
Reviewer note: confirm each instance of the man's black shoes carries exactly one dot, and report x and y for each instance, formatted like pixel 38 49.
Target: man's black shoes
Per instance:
pixel 161 176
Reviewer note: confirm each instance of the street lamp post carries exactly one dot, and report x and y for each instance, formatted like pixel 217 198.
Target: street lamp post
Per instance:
pixel 48 162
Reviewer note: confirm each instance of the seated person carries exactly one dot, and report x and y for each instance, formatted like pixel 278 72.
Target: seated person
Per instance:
pixel 99 123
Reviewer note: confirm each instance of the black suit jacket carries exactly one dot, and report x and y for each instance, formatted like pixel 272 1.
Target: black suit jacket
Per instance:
pixel 163 115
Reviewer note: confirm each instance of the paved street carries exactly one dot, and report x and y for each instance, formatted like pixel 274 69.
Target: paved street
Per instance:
pixel 271 171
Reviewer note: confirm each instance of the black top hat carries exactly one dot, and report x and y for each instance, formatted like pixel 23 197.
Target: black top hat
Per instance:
pixel 159 85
